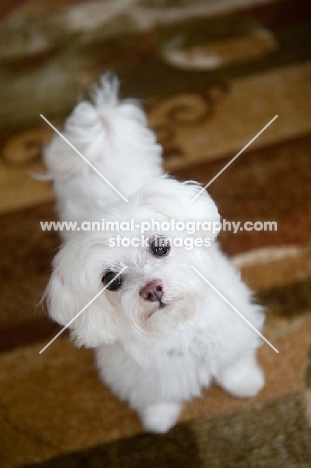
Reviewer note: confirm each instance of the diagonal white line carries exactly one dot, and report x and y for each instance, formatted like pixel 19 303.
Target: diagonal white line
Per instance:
pixel 82 310
pixel 233 159
pixel 235 310
pixel 84 158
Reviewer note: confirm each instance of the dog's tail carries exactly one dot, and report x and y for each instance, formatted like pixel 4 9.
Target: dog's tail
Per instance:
pixel 106 93
pixel 108 132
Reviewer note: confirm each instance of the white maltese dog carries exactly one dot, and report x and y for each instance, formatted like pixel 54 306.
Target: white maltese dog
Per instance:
pixel 160 332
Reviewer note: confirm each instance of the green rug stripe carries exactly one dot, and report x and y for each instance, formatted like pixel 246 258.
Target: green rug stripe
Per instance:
pixel 273 434
pixel 157 78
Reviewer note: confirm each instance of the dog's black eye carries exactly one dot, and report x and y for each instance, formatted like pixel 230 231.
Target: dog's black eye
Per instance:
pixel 159 246
pixel 114 284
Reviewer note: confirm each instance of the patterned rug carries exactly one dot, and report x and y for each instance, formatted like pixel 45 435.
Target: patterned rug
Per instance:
pixel 210 74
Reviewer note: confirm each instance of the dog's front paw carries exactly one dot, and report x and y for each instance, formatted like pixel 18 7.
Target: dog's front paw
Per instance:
pixel 243 379
pixel 160 417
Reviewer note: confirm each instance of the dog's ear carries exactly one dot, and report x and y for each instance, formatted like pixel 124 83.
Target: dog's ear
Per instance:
pixel 71 288
pixel 176 201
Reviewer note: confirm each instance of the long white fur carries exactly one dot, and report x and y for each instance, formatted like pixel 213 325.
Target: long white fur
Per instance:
pixel 153 358
pixel 115 138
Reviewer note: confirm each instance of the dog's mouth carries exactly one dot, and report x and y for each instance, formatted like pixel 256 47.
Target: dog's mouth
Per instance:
pixel 160 305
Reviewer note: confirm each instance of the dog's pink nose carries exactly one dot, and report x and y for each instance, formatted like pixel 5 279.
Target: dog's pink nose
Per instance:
pixel 153 291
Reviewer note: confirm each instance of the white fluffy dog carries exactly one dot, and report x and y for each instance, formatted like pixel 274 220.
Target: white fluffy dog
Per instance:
pixel 160 332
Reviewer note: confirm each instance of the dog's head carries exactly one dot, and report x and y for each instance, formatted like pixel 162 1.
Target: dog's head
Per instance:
pixel 157 292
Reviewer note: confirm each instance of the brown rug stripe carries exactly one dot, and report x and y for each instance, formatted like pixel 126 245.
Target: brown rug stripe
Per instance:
pixel 54 403
pixel 269 267
pixel 264 184
pixel 176 449
pixel 288 301
pixel 307 399
pixel 27 332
